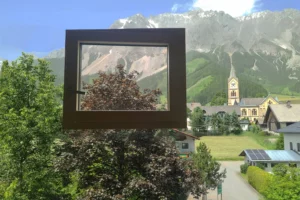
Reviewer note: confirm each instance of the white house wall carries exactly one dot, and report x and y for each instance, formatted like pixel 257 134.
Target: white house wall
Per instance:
pixel 291 137
pixel 191 143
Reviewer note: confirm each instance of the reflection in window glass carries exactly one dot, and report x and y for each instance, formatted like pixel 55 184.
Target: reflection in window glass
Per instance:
pixel 131 70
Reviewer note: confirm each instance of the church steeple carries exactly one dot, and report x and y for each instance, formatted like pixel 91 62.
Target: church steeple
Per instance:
pixel 233 88
pixel 232 73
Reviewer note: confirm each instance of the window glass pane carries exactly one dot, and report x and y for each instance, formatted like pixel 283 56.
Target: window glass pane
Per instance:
pixel 126 69
pixel 185 145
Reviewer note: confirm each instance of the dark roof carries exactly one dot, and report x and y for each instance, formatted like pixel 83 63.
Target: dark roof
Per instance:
pixel 215 109
pixel 244 121
pixel 193 105
pixel 186 134
pixel 251 101
pixel 294 128
pixel 283 113
pixel 255 101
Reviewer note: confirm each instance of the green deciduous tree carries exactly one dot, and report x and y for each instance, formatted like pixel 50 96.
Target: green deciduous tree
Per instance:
pixel 30 113
pixel 198 122
pixel 284 184
pixel 208 168
pixel 215 122
pixel 219 99
pixel 280 142
pixel 227 124
pixel 125 164
pixel 235 123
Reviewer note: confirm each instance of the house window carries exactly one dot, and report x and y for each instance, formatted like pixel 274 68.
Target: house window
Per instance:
pixel 185 146
pixel 254 112
pixel 244 112
pixel 270 102
pixel 291 145
pixel 298 147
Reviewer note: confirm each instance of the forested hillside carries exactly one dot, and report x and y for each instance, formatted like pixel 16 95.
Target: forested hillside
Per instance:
pixel 205 78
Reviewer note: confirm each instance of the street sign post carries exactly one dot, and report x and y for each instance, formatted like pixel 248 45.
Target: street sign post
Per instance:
pixel 219 188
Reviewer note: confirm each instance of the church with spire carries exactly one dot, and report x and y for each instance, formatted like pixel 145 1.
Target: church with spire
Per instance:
pixel 253 109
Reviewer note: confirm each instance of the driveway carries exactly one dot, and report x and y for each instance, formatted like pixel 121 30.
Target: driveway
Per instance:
pixel 234 187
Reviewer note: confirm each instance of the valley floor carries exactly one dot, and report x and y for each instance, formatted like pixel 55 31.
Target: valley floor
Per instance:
pixel 229 147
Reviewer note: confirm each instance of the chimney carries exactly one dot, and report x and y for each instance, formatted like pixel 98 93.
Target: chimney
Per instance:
pixel 288 104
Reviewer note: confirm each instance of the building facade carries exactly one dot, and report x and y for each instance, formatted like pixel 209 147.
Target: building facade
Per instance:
pixel 281 115
pixel 255 108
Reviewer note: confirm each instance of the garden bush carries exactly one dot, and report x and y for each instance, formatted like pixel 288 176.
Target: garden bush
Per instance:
pixel 258 178
pixel 261 166
pixel 244 168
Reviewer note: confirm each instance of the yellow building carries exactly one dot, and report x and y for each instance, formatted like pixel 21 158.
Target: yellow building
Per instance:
pixel 255 108
pixel 252 108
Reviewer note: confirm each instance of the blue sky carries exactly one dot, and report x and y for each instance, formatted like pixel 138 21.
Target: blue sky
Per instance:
pixel 39 25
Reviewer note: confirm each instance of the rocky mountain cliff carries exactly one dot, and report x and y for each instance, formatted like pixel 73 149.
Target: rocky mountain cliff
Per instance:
pixel 265 46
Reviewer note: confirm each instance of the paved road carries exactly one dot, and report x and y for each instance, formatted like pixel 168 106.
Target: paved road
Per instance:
pixel 234 186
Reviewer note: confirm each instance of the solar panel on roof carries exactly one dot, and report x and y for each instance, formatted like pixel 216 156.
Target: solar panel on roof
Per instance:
pixel 266 156
pixel 257 154
pixel 253 156
pixel 259 157
pixel 255 151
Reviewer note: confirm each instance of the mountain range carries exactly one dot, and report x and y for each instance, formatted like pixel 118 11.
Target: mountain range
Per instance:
pixel 263 47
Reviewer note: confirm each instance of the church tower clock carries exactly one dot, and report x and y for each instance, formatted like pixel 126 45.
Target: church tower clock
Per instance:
pixel 233 89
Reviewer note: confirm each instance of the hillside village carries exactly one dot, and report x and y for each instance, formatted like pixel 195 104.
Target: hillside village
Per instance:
pixel 104 117
pixel 268 113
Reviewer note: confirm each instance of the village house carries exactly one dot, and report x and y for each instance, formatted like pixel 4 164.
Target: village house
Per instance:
pixel 193 105
pixel 269 158
pixel 255 108
pixel 185 143
pixel 291 137
pixel 281 115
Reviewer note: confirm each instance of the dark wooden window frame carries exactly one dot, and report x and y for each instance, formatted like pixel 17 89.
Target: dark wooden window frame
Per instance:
pixel 174 117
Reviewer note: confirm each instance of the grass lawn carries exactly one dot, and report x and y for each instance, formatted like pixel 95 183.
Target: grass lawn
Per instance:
pixel 293 99
pixel 229 147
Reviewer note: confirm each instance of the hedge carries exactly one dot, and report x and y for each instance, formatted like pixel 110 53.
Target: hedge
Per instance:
pixel 244 168
pixel 258 178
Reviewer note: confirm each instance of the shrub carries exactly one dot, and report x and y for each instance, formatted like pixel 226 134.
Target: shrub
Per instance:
pixel 280 170
pixel 261 166
pixel 258 178
pixel 255 128
pixel 244 168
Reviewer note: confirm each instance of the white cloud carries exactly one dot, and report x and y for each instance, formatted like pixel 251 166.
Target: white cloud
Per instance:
pixel 233 7
pixel 175 7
